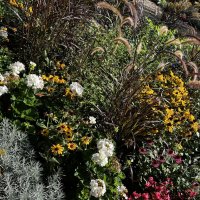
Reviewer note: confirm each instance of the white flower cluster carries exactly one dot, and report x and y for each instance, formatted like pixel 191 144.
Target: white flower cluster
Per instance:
pixel 76 88
pixel 97 188
pixel 122 191
pixel 106 146
pixel 100 158
pixel 35 81
pixel 3 90
pixel 106 149
pixel 16 68
pixel 92 120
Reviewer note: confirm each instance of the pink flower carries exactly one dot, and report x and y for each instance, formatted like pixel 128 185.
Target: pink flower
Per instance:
pixel 136 195
pixel 162 159
pixel 191 193
pixel 178 159
pixel 147 184
pixel 157 195
pixel 145 196
pixel 170 152
pixel 167 197
pixel 155 163
pixel 159 188
pixel 149 142
pixel 143 150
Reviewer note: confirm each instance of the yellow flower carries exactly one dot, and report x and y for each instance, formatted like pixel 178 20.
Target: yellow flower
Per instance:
pixel 86 140
pixel 177 94
pixel 56 79
pixel 72 146
pixel 69 93
pixel 61 81
pixel 68 137
pixel 171 74
pixel 171 128
pixel 191 117
pixel 57 149
pixel 13 3
pixel 195 126
pixel 59 65
pixel 169 112
pixel 64 128
pixel 183 103
pixel 178 146
pixel 147 90
pixel 45 78
pixel 50 89
pixel 45 132
pixel 2 152
pixel 20 5
pixel 160 78
pixel 30 9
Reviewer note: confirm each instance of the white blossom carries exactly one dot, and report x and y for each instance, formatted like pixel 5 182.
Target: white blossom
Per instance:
pixel 35 81
pixel 92 120
pixel 32 64
pixel 97 188
pixel 1 77
pixel 122 191
pixel 76 88
pixel 106 146
pixel 3 90
pixel 16 68
pixel 100 158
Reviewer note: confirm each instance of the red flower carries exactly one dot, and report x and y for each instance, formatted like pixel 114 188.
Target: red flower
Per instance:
pixel 151 180
pixel 155 163
pixel 170 152
pixel 136 195
pixel 147 184
pixel 157 195
pixel 178 159
pixel 191 193
pixel 145 196
pixel 149 142
pixel 142 150
pixel 162 159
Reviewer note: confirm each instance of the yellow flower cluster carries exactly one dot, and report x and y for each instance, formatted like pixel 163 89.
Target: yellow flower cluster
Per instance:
pixel 60 65
pixel 16 4
pixel 54 79
pixel 177 116
pixel 147 90
pixel 66 130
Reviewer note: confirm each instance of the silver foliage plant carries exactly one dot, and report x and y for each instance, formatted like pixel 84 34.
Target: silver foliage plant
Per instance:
pixel 20 173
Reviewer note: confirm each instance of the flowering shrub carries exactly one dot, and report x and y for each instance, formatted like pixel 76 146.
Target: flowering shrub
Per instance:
pixel 92 110
pixel 167 158
pixel 160 191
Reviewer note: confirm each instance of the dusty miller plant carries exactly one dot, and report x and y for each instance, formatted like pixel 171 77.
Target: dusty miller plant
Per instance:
pixel 21 174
